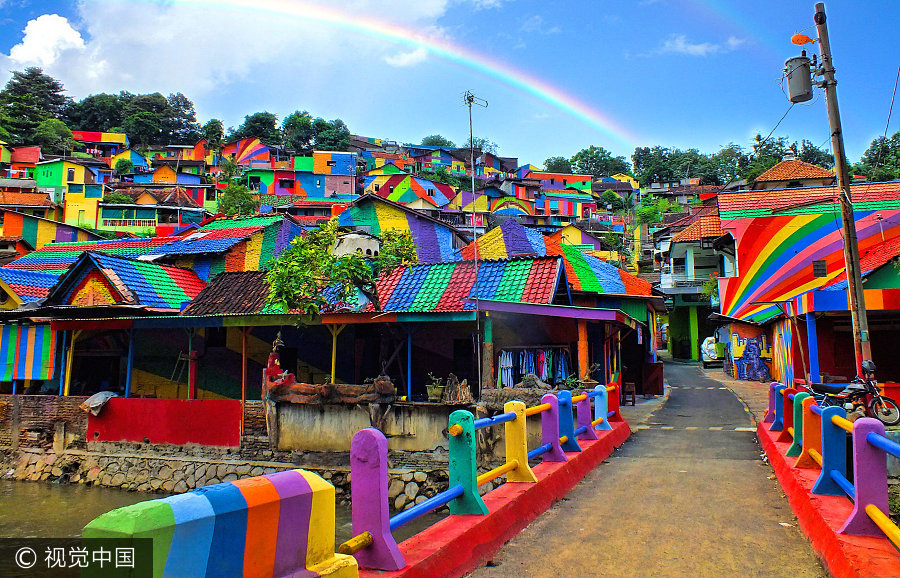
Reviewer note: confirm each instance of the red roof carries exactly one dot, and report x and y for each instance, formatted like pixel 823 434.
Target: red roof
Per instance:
pixel 780 199
pixel 26 155
pixel 25 199
pixel 702 224
pixel 793 169
pixel 874 258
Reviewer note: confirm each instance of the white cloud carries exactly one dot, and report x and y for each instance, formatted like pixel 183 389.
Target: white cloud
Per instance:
pixel 403 59
pixel 197 48
pixel 486 4
pixel 535 24
pixel 46 37
pixel 679 44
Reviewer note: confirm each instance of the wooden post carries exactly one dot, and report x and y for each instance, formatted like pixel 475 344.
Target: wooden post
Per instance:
pixel 130 366
pixel 244 332
pixel 335 331
pixel 69 359
pixel 584 370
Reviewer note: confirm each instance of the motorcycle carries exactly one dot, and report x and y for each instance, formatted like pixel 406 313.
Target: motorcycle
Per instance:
pixel 861 392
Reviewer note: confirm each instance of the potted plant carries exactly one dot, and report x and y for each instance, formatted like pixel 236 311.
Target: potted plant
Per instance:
pixel 435 388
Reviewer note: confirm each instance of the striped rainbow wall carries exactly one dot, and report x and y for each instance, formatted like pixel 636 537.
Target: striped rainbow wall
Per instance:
pixel 783 352
pixel 27 352
pixel 775 251
pixel 280 524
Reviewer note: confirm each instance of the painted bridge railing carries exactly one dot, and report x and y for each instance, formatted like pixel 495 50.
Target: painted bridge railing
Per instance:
pixel 818 438
pixel 374 546
pixel 282 524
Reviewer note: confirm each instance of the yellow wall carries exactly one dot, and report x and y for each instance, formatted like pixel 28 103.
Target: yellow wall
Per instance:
pixel 164 174
pixel 627 179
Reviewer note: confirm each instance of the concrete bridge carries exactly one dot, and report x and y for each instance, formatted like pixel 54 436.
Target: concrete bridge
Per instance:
pixel 688 494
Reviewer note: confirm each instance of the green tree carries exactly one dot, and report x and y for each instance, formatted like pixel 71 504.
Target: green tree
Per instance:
pixel 598 162
pixel 214 132
pixel 124 167
pixel 610 200
pixel 298 132
pixel 558 165
pixel 237 200
pixel 729 163
pixel 116 198
pixel 180 120
pixel 881 161
pixel 331 136
pixel 95 112
pixel 29 97
pixel 143 128
pixel 810 153
pixel 485 145
pixel 228 168
pixel 53 135
pixel 298 279
pixel 766 154
pixel 436 140
pixel 261 125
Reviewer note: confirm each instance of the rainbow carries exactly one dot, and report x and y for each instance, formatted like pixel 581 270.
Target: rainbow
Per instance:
pixel 394 33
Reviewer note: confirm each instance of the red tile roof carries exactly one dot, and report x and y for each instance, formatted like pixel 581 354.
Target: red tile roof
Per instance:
pixel 781 199
pixel 26 199
pixel 793 169
pixel 26 155
pixel 874 258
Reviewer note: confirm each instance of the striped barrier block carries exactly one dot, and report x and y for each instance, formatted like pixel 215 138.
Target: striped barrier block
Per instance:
pixel 280 524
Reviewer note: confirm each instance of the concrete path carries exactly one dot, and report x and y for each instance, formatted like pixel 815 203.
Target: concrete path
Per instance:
pixel 687 496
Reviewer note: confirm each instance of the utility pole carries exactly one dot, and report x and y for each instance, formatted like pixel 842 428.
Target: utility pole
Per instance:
pixel 469 98
pixel 861 343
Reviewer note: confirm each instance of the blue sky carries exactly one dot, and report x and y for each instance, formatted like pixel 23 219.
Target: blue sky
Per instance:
pixel 692 73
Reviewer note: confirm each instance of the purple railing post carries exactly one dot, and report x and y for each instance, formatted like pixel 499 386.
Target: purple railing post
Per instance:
pixel 869 479
pixel 778 413
pixel 787 415
pixel 550 429
pixel 369 499
pixel 770 414
pixel 583 413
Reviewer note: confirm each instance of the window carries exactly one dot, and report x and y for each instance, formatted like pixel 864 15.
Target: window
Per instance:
pixel 286 183
pixel 430 192
pixel 376 187
pixel 318 182
pixel 392 189
pixel 819 269
pixel 330 163
pixel 70 175
pixel 210 194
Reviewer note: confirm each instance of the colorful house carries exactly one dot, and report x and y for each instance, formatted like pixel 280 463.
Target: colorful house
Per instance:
pixel 31 203
pixel 789 261
pixel 793 173
pixel 561 181
pixel 137 160
pixel 101 144
pixel 248 152
pixel 436 241
pixel 216 245
pixel 38 232
pixel 414 192
pixel 556 208
pixel 159 211
pixel 22 162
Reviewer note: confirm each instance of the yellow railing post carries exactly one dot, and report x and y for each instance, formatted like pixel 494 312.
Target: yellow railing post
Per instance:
pixel 517 444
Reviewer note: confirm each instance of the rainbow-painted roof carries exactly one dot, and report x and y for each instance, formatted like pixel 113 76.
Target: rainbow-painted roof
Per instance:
pixel 403 188
pixel 584 272
pixel 213 237
pixel 28 285
pixel 451 286
pixel 98 279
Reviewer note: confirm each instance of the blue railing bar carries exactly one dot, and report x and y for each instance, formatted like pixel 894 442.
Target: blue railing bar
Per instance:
pixel 593 393
pixel 432 503
pixel 791 396
pixel 883 443
pixel 610 413
pixel 581 430
pixel 494 420
pixel 843 482
pixel 816 409
pixel 539 451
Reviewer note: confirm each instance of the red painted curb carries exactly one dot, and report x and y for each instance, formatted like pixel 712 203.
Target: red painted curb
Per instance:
pixel 820 518
pixel 459 544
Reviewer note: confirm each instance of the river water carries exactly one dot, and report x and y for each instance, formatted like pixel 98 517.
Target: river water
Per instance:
pixel 48 510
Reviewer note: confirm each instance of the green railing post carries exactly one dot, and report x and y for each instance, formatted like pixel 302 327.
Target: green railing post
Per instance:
pixel 463 464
